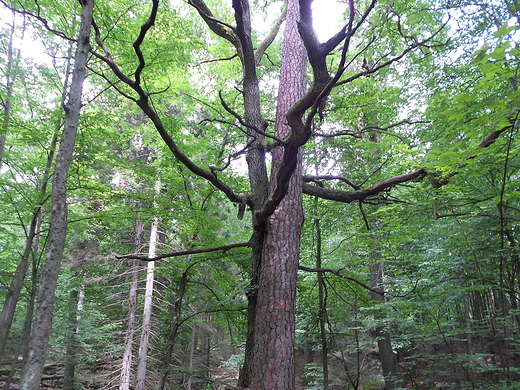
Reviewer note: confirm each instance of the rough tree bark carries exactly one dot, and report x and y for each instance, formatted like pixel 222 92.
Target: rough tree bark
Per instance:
pixel 273 354
pixel 33 368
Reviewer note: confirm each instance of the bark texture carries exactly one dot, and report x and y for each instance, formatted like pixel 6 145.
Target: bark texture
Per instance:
pixel 257 169
pixel 273 353
pixel 33 368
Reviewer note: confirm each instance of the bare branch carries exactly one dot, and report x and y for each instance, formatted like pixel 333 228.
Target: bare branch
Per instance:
pixel 439 181
pixel 357 133
pixel 139 41
pixel 340 134
pixel 222 310
pixel 107 58
pixel 220 59
pixel 112 84
pixel 338 273
pixel 231 157
pixel 391 60
pixel 243 122
pixel 223 248
pixel 488 215
pixel 348 30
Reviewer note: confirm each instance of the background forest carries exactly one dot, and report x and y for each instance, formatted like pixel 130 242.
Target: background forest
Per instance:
pixel 409 267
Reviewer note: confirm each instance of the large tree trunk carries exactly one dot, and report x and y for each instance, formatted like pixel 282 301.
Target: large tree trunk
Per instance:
pixel 33 368
pixel 258 178
pixel 273 353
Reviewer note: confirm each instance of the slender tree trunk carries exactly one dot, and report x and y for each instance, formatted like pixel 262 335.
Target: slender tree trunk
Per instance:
pixel 126 367
pixel 17 283
pixel 147 310
pixel 192 356
pixel 29 314
pixel 16 286
pixel 165 368
pixel 387 356
pixel 33 369
pixel 81 303
pixel 384 342
pixel 206 350
pixel 322 311
pixel 308 353
pixel 70 355
pixel 273 353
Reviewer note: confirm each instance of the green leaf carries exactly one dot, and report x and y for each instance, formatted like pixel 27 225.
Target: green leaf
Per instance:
pixel 504 30
pixel 480 56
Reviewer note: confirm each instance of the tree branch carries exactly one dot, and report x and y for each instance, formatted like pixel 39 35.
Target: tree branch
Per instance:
pixel 317 178
pixel 144 103
pixel 488 215
pixel 391 60
pixel 262 47
pixel 220 59
pixel 223 248
pixel 351 196
pixel 37 16
pixel 337 273
pixel 219 27
pixel 138 42
pixel 357 133
pixel 491 138
pixel 243 122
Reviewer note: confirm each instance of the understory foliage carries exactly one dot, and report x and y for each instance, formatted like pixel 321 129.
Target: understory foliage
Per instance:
pixel 445 242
